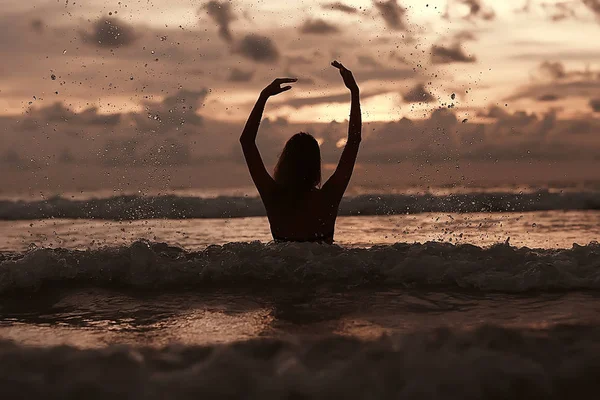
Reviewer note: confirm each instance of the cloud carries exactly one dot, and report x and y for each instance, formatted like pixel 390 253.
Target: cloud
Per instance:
pixel 552 70
pixel 37 25
pixel 258 48
pixel 368 61
pixel 57 113
pixel 392 13
pixel 185 99
pixel 595 105
pixel 478 10
pixel 173 112
pixel 238 75
pixel 418 94
pixel 110 32
pixel 464 36
pixel 552 78
pixel 450 54
pixel 548 97
pixel 11 158
pixel 318 27
pixel 338 6
pixel 222 13
pixel 580 88
pixel 560 11
pixel 593 5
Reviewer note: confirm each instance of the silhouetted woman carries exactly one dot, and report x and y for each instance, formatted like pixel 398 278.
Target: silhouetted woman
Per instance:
pixel 298 208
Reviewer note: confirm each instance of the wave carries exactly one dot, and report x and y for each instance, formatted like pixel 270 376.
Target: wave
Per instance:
pixel 148 265
pixel 134 207
pixel 489 362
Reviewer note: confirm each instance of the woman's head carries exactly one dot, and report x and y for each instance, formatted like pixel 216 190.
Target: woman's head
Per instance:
pixel 299 165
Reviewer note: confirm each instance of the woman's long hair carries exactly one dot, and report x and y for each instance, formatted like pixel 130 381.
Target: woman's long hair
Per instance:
pixel 299 165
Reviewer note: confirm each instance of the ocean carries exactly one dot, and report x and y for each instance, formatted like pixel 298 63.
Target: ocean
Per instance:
pixel 446 294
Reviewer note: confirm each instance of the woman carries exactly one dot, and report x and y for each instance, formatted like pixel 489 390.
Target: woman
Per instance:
pixel 298 208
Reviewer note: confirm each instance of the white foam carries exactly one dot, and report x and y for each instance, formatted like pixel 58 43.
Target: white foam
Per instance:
pixel 157 265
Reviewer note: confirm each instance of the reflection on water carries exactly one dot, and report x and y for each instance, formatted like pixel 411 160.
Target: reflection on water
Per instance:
pixel 94 318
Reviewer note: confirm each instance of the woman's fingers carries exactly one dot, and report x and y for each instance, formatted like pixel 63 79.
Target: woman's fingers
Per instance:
pixel 285 80
pixel 283 89
pixel 340 66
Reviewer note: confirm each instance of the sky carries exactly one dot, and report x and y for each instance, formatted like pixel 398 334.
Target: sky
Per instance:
pixel 139 83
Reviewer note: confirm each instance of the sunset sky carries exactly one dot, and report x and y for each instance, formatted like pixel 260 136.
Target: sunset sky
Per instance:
pixel 494 51
pixel 514 63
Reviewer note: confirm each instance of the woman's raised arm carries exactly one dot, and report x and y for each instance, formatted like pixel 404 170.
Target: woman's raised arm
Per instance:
pixel 338 182
pixel 262 179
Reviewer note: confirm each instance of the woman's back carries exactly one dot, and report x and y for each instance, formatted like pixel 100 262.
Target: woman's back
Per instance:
pixel 297 208
pixel 301 217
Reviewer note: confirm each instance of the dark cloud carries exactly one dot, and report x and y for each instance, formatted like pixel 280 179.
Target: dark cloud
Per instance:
pixel 566 88
pixel 595 105
pixel 552 78
pixel 10 157
pixel 548 97
pixel 57 113
pixel 560 11
pixel 519 135
pixel 593 5
pixel 90 116
pixel 318 27
pixel 173 113
pixel 66 157
pixel 258 48
pixel 37 25
pixel 238 75
pixel 493 112
pixel 368 61
pixel 552 70
pixel 185 99
pixel 464 36
pixel 478 10
pixel 110 32
pixel 222 13
pixel 338 6
pixel 450 54
pixel 392 13
pixel 418 94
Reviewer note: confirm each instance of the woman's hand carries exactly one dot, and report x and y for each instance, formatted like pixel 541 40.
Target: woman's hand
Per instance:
pixel 346 76
pixel 275 87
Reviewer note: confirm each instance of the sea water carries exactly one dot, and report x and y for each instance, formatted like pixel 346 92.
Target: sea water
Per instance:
pixel 431 303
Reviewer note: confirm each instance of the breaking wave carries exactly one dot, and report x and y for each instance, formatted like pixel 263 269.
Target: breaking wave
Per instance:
pixel 179 207
pixel 147 265
pixel 489 362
